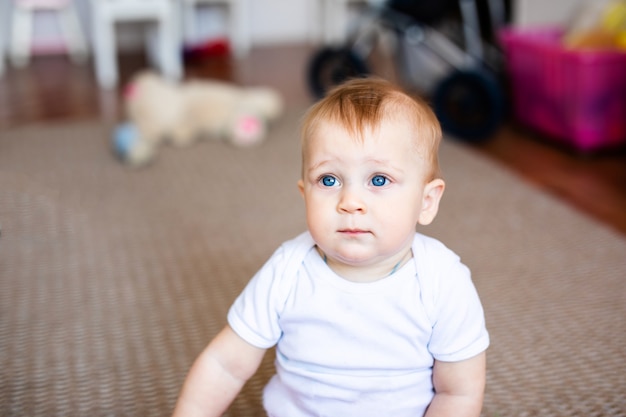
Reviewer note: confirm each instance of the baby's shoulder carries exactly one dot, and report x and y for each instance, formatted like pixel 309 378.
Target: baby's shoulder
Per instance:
pixel 284 263
pixel 434 251
pixel 292 252
pixel 438 267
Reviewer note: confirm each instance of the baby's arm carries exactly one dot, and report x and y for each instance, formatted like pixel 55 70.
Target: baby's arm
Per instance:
pixel 459 388
pixel 218 375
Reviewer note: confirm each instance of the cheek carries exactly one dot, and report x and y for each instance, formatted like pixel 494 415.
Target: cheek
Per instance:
pixel 318 208
pixel 315 204
pixel 400 210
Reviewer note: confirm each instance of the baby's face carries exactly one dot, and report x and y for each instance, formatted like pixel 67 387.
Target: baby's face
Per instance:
pixel 364 198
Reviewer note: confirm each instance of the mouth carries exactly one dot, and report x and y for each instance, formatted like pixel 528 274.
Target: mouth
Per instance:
pixel 353 232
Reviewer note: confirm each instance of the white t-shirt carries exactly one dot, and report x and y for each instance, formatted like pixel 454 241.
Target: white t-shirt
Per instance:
pixel 358 349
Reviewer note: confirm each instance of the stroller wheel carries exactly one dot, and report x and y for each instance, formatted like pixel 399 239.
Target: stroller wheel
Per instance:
pixel 469 104
pixel 330 67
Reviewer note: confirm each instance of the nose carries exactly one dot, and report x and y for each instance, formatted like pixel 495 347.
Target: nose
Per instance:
pixel 351 201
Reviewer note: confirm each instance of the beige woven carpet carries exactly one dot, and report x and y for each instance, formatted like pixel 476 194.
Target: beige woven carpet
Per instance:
pixel 113 280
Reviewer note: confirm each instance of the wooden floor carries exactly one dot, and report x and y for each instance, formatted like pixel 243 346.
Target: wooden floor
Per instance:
pixel 51 89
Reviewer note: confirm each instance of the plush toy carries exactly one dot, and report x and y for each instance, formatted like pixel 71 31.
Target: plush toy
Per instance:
pixel 160 111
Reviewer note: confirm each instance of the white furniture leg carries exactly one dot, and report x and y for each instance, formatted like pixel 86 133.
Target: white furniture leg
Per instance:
pixel 21 33
pixel 162 40
pixel 104 50
pixel 238 22
pixel 164 49
pixel 4 13
pixel 74 39
pixel 22 29
pixel 238 27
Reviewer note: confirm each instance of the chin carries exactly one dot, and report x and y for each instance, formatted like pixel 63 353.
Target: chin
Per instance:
pixel 353 258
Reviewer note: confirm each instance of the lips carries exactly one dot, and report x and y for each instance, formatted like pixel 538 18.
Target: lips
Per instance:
pixel 353 232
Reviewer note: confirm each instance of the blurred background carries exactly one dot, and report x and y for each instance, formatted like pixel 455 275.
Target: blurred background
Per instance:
pixel 63 60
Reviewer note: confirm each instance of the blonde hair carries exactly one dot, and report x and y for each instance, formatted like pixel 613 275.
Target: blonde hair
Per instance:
pixel 363 103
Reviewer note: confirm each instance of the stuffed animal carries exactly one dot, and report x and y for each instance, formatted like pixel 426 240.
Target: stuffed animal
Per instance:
pixel 160 111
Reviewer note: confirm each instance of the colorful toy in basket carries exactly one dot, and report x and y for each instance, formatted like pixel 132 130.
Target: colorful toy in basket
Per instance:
pixel 160 111
pixel 599 24
pixel 576 97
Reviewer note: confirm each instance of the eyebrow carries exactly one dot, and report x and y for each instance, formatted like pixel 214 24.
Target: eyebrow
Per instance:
pixel 318 165
pixel 375 161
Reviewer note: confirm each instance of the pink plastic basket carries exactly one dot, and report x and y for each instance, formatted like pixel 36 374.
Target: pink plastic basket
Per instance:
pixel 574 96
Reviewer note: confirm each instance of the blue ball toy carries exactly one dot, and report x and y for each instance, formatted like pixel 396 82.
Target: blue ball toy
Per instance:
pixel 125 137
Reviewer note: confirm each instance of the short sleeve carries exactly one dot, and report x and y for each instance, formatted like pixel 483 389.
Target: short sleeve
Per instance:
pixel 459 330
pixel 255 314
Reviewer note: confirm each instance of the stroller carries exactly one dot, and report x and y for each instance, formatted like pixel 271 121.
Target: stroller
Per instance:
pixel 461 81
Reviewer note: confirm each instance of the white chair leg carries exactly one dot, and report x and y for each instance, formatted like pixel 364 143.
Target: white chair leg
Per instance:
pixel 175 40
pixel 2 53
pixel 4 12
pixel 74 38
pixel 188 22
pixel 153 44
pixel 239 27
pixel 163 49
pixel 334 18
pixel 21 32
pixel 105 58
pixel 167 48
pixel 163 38
pixel 238 24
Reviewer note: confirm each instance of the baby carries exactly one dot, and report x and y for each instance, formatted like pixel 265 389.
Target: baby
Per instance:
pixel 369 318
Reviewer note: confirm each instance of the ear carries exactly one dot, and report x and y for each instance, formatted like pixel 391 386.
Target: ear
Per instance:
pixel 301 187
pixel 433 191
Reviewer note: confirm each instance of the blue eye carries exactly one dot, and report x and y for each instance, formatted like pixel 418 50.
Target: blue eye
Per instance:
pixel 379 181
pixel 328 181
